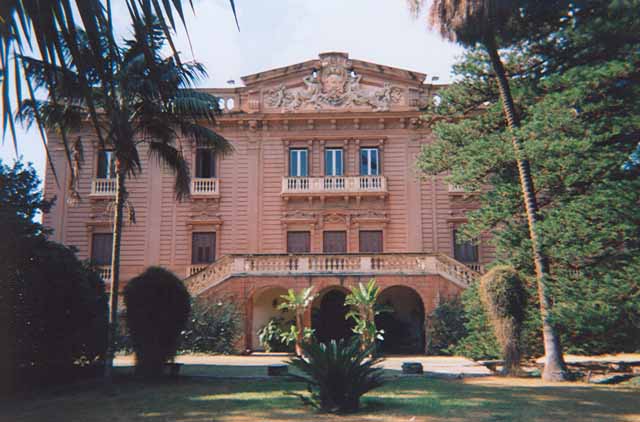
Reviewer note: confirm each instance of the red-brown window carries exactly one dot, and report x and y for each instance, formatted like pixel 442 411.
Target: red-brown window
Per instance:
pixel 371 241
pixel 203 248
pixel 334 242
pixel 298 242
pixel 101 244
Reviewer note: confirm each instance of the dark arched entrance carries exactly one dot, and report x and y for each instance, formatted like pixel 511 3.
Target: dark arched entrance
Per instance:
pixel 328 316
pixel 404 325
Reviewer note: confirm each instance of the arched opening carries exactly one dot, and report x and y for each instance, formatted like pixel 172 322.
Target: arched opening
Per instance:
pixel 404 325
pixel 265 308
pixel 328 315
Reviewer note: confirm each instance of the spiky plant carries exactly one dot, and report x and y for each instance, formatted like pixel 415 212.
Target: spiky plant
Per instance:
pixel 338 374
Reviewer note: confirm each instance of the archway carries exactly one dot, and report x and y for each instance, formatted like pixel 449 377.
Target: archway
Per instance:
pixel 404 325
pixel 265 307
pixel 328 314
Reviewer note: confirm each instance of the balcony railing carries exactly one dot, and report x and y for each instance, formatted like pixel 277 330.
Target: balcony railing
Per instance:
pixel 103 187
pixel 337 185
pixel 343 264
pixel 104 272
pixel 205 187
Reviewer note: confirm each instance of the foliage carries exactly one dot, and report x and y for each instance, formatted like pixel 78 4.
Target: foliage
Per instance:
pixel 52 306
pixel 158 307
pixel 270 336
pixel 290 337
pixel 503 294
pixel 214 326
pixel 338 374
pixel 298 303
pixel 363 300
pixel 446 327
pixel 578 102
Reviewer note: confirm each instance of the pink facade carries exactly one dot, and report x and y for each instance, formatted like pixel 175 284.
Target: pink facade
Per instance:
pixel 323 164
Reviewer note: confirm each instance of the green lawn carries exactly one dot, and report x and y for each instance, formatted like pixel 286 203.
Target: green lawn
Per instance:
pixel 406 399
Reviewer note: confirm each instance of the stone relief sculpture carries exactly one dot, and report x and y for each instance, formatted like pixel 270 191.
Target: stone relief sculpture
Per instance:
pixel 333 86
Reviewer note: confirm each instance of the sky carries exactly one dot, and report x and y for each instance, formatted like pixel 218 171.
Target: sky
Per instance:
pixel 275 33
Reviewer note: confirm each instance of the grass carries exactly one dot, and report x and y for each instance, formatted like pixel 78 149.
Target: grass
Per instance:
pixel 405 399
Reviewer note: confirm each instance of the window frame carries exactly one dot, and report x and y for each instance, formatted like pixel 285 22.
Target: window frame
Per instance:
pixel 214 236
pixel 333 161
pixel 300 167
pixel 368 170
pixel 213 163
pixel 110 165
pixel 474 244
pixel 92 252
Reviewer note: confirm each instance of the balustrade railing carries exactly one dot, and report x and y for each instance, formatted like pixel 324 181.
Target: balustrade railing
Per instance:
pixel 205 186
pixel 334 184
pixel 105 273
pixel 103 187
pixel 200 279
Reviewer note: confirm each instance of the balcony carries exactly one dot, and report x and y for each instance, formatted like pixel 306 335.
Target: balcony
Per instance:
pixel 103 187
pixel 205 188
pixel 334 186
pixel 199 280
pixel 104 272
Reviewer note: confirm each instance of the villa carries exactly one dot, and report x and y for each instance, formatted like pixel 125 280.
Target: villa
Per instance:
pixel 320 190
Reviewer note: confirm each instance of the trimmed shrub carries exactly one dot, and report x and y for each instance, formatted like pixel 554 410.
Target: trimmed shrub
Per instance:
pixel 158 307
pixel 213 327
pixel 446 328
pixel 503 294
pixel 338 374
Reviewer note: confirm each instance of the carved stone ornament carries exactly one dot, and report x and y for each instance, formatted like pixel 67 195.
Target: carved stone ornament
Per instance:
pixel 333 86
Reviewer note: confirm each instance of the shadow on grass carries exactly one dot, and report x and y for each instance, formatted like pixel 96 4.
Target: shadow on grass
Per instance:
pixel 200 400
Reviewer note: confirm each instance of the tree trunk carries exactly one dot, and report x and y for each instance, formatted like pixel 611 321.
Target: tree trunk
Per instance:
pixel 115 271
pixel 554 366
pixel 299 335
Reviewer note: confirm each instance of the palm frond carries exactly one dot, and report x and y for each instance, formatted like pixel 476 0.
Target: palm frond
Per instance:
pixel 174 159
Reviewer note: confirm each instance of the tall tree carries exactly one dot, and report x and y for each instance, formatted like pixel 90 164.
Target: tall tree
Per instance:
pixel 50 29
pixel 488 22
pixel 576 88
pixel 148 100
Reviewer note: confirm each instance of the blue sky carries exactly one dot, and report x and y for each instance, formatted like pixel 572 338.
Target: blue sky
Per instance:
pixel 278 33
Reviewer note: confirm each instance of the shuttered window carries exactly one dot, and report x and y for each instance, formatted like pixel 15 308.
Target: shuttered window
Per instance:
pixel 334 242
pixel 371 241
pixel 298 242
pixel 101 244
pixel 464 251
pixel 203 248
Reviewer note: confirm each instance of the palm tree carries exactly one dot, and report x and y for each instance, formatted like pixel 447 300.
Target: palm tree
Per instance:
pixel 147 100
pixel 471 22
pixel 298 302
pixel 50 29
pixel 364 303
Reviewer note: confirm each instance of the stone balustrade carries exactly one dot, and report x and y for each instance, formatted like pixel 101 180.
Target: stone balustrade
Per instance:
pixel 205 187
pixel 103 187
pixel 340 185
pixel 328 264
pixel 105 273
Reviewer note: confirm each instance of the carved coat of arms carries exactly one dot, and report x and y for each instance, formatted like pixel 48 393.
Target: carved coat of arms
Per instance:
pixel 335 85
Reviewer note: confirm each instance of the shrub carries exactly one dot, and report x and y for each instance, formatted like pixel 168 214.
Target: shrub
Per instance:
pixel 271 335
pixel 364 309
pixel 503 294
pixel 338 374
pixel 446 327
pixel 158 307
pixel 213 327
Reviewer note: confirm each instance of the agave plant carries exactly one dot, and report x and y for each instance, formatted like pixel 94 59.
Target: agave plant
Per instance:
pixel 337 374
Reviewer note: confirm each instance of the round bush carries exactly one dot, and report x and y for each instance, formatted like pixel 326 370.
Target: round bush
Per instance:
pixel 158 307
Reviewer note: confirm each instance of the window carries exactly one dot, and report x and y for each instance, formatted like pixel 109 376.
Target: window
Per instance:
pixel 334 242
pixel 464 251
pixel 205 163
pixel 371 241
pixel 369 162
pixel 101 244
pixel 298 163
pixel 298 242
pixel 106 164
pixel 333 162
pixel 203 248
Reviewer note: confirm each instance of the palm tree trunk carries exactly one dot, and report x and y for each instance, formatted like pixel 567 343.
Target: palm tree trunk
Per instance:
pixel 299 335
pixel 115 271
pixel 554 366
